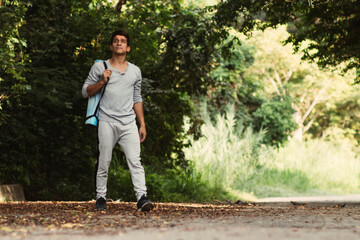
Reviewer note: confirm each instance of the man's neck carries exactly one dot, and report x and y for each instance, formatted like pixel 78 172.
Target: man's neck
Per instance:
pixel 118 60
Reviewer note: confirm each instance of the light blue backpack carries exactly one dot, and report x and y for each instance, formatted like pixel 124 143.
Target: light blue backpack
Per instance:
pixel 92 111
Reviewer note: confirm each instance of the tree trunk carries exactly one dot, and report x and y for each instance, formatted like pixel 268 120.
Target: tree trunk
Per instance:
pixel 13 192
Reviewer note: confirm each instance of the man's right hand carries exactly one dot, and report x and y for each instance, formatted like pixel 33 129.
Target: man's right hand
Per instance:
pixel 93 89
pixel 106 75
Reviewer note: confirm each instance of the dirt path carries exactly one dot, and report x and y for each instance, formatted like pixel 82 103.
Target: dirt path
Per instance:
pixel 77 220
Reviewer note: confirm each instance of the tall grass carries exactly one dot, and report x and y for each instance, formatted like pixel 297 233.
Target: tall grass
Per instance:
pixel 331 166
pixel 226 155
pixel 231 157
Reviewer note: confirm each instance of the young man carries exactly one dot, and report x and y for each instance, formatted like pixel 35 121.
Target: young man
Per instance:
pixel 119 106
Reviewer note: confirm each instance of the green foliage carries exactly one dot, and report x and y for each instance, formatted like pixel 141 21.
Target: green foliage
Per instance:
pixel 343 114
pixel 275 115
pixel 44 143
pixel 12 44
pixel 331 25
pixel 183 185
pixel 12 85
pixel 51 144
pixel 12 55
pixel 231 86
pixel 242 81
pixel 302 86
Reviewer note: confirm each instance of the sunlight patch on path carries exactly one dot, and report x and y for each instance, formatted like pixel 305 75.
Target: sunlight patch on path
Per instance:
pixel 313 199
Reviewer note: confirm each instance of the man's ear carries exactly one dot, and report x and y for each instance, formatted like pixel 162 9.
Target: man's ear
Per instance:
pixel 128 49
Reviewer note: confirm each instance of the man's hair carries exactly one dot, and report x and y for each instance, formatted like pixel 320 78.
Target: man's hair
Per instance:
pixel 121 33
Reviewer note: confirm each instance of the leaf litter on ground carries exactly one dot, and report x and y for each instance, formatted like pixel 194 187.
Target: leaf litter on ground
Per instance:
pixel 26 217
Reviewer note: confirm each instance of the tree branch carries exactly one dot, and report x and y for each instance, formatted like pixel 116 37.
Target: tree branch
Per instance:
pixel 275 86
pixel 308 125
pixel 313 104
pixel 278 80
pixel 119 5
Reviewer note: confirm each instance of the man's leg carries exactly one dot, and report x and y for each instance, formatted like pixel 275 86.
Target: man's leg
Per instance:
pixel 107 140
pixel 130 143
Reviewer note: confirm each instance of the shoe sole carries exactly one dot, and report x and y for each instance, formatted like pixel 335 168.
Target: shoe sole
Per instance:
pixel 146 207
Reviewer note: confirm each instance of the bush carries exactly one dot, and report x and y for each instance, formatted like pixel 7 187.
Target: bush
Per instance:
pixel 275 115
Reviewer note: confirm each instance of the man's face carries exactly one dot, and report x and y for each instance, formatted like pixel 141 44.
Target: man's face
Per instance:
pixel 119 45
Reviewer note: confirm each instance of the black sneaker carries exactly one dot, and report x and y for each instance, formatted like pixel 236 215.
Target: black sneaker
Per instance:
pixel 144 204
pixel 100 204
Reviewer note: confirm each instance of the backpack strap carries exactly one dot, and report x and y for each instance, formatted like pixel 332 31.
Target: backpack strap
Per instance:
pixel 105 83
pixel 102 94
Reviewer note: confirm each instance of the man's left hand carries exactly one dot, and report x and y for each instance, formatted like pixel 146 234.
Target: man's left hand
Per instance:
pixel 142 133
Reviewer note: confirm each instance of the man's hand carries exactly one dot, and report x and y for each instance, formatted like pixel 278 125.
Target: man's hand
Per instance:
pixel 138 108
pixel 142 133
pixel 93 89
pixel 106 75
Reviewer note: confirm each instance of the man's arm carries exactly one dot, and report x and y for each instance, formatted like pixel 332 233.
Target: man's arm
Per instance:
pixel 91 90
pixel 139 111
pixel 94 88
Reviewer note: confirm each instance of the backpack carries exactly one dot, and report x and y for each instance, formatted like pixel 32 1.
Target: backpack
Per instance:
pixel 92 111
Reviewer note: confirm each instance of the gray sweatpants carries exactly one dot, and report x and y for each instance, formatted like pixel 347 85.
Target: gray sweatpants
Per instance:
pixel 128 138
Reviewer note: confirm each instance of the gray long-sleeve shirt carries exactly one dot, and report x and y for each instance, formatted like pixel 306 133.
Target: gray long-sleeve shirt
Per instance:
pixel 123 90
